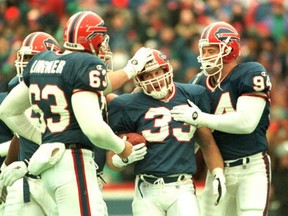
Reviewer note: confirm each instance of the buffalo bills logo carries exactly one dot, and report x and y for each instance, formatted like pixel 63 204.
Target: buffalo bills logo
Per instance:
pixel 226 35
pixel 96 30
pixel 162 56
pixel 51 45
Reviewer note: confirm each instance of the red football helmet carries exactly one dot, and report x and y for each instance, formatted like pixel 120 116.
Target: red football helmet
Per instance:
pixel 34 43
pixel 226 38
pixel 86 31
pixel 159 61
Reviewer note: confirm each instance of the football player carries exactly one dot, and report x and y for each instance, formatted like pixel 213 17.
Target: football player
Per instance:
pixel 26 196
pixel 5 138
pixel 164 184
pixel 240 102
pixel 5 134
pixel 66 91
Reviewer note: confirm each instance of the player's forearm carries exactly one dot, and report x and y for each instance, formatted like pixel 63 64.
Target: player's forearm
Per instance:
pixel 116 80
pixel 212 157
pixel 12 112
pixel 4 148
pixel 89 117
pixel 229 123
pixel 105 138
pixel 22 125
pixel 243 121
pixel 12 151
pixel 209 148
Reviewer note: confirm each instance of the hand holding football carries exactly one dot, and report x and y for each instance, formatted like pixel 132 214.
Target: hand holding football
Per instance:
pixel 133 138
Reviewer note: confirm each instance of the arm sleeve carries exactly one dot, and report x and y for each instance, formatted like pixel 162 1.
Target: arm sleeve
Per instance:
pixel 12 112
pixel 86 108
pixel 4 148
pixel 115 80
pixel 243 121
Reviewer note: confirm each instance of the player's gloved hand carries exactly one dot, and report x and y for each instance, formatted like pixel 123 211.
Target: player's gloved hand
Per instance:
pixel 1 190
pixel 190 114
pixel 13 172
pixel 3 195
pixel 138 153
pixel 138 61
pixel 219 187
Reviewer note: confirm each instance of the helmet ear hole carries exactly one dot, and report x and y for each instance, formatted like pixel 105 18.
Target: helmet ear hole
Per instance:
pixel 228 50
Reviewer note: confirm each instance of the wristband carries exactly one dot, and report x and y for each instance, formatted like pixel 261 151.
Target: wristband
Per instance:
pixel 26 161
pixel 128 70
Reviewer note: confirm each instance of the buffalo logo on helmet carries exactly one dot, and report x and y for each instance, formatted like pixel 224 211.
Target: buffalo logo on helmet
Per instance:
pixel 222 34
pixel 162 56
pixel 96 30
pixel 51 45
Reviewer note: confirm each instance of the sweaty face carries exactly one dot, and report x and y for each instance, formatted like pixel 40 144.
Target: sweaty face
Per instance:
pixel 210 60
pixel 154 83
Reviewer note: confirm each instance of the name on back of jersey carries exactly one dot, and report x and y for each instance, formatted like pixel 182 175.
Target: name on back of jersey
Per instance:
pixel 42 66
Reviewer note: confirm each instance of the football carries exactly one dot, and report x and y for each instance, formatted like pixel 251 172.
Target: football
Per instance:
pixel 134 138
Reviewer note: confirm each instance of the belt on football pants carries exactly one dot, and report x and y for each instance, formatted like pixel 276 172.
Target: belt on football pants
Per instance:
pixel 26 191
pixel 26 188
pixel 33 176
pixel 245 160
pixel 76 146
pixel 159 180
pixel 166 180
pixel 239 162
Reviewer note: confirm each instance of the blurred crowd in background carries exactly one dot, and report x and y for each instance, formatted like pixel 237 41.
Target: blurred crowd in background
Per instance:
pixel 174 27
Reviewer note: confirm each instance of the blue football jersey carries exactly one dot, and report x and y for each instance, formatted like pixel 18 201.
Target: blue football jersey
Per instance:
pixel 26 148
pixel 170 143
pixel 100 158
pixel 12 83
pixel 5 133
pixel 245 79
pixel 52 77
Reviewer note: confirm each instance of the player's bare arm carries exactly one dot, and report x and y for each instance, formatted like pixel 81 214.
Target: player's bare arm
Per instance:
pixel 214 161
pixel 12 151
pixel 209 148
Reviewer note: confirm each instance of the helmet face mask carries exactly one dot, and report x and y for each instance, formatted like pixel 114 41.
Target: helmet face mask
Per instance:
pixel 32 44
pixel 160 83
pixel 105 54
pixel 211 64
pixel 156 87
pixel 226 38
